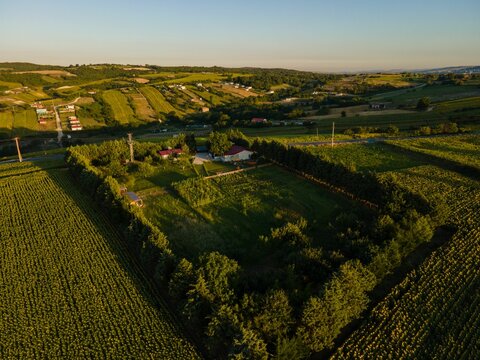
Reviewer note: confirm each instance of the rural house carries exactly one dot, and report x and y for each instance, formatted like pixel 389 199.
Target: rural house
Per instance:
pixel 170 152
pixel 133 199
pixel 236 153
pixel 259 120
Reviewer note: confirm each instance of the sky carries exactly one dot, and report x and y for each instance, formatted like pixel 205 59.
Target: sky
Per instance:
pixel 316 35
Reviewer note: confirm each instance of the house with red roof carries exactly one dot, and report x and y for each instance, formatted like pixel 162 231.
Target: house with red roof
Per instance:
pixel 170 152
pixel 257 120
pixel 236 153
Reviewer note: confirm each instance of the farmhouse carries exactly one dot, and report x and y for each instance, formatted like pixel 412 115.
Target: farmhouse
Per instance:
pixel 236 153
pixel 41 111
pixel 70 107
pixel 42 121
pixel 377 106
pixel 133 199
pixel 170 152
pixel 256 120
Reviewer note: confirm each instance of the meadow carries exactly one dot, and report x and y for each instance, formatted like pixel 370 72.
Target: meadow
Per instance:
pixel 70 288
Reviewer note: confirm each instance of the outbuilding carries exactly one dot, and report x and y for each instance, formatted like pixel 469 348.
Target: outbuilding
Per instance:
pixel 236 153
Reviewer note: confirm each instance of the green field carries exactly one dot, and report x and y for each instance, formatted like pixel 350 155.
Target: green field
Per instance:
pixel 435 92
pixel 122 111
pixel 25 123
pixel 434 312
pixel 157 100
pixel 251 203
pixel 461 149
pixel 69 286
pixel 366 157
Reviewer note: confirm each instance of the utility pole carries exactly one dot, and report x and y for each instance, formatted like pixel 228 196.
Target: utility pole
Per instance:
pixel 333 132
pixel 317 134
pixel 18 150
pixel 130 143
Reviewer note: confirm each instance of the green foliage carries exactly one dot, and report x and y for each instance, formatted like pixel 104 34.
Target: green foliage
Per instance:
pixel 197 191
pixel 218 143
pixel 343 299
pixel 423 103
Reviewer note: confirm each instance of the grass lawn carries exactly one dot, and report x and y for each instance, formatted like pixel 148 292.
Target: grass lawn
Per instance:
pixel 122 111
pixel 251 203
pixel 25 123
pixel 367 157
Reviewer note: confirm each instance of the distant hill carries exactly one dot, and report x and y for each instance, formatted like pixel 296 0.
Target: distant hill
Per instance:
pixel 452 69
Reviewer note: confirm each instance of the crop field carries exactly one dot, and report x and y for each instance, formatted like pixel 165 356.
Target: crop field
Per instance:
pixel 69 287
pixel 157 100
pixel 459 105
pixel 25 123
pixel 463 149
pixel 367 157
pixel 433 312
pixel 247 206
pixel 213 99
pixel 6 122
pixel 435 92
pixel 119 103
pixel 142 108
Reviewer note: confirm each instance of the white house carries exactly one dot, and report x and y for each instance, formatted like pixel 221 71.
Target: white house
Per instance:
pixel 41 111
pixel 236 153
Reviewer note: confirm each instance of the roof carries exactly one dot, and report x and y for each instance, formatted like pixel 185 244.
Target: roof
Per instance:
pixel 256 119
pixel 202 148
pixel 170 152
pixel 235 149
pixel 132 196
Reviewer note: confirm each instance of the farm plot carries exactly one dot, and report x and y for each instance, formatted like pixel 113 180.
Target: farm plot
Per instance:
pixel 69 288
pixel 121 109
pixel 157 100
pixel 433 312
pixel 462 149
pixel 142 108
pixel 25 123
pixel 367 157
pixel 243 207
pixel 6 122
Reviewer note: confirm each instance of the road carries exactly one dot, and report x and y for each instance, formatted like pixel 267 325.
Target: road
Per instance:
pixel 59 126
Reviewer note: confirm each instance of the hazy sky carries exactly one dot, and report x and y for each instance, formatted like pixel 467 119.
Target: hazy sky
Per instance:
pixel 302 34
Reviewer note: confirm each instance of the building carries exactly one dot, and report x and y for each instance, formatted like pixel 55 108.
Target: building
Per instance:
pixel 42 121
pixel 205 109
pixel 236 153
pixel 70 107
pixel 377 106
pixel 170 152
pixel 256 120
pixel 133 199
pixel 41 111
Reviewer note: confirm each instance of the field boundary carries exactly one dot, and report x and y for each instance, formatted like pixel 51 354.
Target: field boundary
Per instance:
pixel 237 171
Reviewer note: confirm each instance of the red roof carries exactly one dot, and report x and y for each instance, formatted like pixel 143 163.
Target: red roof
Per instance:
pixel 235 149
pixel 170 152
pixel 259 120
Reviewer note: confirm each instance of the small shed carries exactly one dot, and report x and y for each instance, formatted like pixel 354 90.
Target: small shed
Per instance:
pixel 134 199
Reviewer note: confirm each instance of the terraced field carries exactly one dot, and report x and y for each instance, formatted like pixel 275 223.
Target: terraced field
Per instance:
pixel 122 111
pixel 142 108
pixel 69 288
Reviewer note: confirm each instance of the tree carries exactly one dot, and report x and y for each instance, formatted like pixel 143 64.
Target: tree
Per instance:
pixel 423 103
pixel 275 319
pixel 343 299
pixel 218 143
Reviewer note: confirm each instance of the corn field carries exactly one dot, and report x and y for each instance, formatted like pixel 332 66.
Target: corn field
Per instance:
pixel 68 288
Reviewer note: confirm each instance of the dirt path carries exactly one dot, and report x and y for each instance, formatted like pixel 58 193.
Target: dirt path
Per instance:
pixel 237 171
